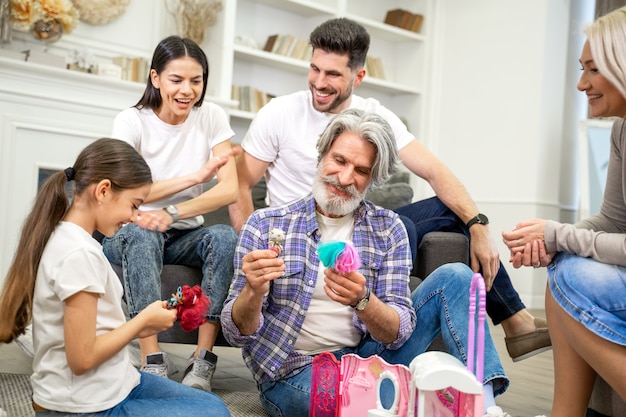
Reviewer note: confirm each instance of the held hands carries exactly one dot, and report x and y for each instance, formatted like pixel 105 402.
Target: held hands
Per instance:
pixel 347 289
pixel 526 244
pixel 156 318
pixel 260 267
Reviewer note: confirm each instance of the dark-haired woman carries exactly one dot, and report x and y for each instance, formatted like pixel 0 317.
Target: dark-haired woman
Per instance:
pixel 186 142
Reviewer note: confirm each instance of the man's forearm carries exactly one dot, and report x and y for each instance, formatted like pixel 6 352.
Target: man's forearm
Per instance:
pixel 246 311
pixel 241 209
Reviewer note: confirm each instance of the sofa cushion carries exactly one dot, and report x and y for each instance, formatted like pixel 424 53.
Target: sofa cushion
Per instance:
pixel 396 192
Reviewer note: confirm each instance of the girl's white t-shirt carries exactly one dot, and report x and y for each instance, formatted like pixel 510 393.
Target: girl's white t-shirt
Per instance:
pixel 73 261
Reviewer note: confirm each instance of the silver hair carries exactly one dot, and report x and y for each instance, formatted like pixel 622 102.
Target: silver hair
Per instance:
pixel 373 129
pixel 607 40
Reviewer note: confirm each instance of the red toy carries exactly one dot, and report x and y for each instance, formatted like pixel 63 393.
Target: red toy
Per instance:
pixel 191 306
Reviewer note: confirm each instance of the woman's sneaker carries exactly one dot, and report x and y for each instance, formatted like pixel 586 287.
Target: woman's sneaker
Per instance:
pixel 156 364
pixel 200 370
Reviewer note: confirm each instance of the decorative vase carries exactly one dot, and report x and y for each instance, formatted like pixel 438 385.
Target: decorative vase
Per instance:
pixel 47 30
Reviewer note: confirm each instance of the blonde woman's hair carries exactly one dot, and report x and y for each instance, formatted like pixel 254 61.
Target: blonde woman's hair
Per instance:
pixel 607 40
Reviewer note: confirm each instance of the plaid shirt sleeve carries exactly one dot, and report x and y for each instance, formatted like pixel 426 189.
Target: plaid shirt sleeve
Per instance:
pixel 386 265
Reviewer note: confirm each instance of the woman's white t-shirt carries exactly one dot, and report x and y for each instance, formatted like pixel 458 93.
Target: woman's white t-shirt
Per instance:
pixel 174 150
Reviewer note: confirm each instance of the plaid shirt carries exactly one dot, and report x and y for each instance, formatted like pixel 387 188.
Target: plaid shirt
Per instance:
pixel 381 241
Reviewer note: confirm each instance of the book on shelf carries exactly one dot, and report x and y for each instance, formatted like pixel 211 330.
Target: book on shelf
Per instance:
pixel 285 44
pixel 404 19
pixel 269 44
pixel 299 49
pixel 250 99
pixel 133 69
pixel 374 67
pixel 288 45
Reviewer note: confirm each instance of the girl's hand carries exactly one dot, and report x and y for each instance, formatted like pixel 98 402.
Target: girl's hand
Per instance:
pixel 157 318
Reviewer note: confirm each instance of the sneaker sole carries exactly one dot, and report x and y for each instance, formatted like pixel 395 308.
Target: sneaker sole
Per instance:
pixel 531 353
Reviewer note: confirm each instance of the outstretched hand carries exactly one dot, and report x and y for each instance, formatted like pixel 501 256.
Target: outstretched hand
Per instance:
pixel 210 168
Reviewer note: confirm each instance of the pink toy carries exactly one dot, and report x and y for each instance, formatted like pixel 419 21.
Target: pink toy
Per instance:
pixel 436 384
pixel 341 256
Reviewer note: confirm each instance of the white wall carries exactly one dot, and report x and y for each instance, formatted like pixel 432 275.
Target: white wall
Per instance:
pixel 502 81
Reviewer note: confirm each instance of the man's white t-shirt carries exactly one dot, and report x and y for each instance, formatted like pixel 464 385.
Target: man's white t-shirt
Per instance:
pixel 284 133
pixel 317 335
pixel 72 262
pixel 174 150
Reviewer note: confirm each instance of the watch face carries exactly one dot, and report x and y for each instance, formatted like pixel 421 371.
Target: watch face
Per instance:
pixel 482 219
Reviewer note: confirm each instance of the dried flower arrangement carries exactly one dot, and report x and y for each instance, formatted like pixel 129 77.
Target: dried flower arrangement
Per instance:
pixel 194 16
pixel 100 12
pixel 25 13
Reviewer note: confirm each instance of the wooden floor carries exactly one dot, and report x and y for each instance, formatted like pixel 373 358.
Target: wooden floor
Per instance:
pixel 530 392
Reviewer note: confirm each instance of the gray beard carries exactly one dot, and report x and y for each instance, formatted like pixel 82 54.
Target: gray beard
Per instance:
pixel 335 206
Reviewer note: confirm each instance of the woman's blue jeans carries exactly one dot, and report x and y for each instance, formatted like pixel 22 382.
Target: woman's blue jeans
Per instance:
pixel 442 306
pixel 142 253
pixel 592 293
pixel 156 396
pixel 432 215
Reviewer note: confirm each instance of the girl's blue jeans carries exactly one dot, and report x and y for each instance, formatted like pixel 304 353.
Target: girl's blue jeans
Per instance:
pixel 156 396
pixel 442 306
pixel 142 253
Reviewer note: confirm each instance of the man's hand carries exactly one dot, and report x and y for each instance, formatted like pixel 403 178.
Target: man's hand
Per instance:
pixel 260 267
pixel 484 254
pixel 346 289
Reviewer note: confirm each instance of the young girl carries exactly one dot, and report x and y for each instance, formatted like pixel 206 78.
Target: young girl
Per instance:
pixel 61 280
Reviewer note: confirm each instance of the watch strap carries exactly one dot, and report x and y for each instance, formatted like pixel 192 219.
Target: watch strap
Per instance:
pixel 360 306
pixel 480 219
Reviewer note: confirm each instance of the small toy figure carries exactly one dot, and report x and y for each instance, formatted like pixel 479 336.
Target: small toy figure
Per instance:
pixel 341 256
pixel 276 239
pixel 191 306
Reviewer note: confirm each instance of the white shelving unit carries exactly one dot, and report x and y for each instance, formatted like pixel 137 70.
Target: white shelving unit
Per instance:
pixel 404 53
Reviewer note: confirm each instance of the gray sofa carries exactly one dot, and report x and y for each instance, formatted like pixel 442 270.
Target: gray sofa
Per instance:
pixel 605 402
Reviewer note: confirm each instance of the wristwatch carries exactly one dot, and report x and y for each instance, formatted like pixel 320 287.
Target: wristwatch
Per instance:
pixel 360 306
pixel 172 211
pixel 480 219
